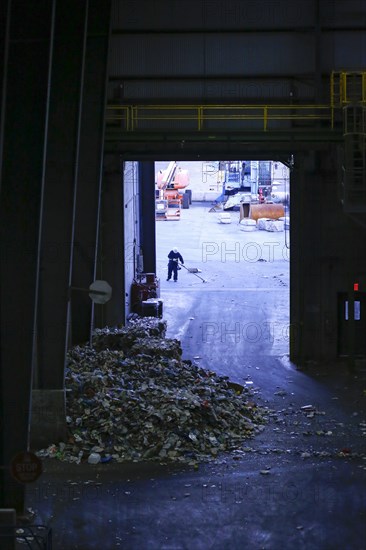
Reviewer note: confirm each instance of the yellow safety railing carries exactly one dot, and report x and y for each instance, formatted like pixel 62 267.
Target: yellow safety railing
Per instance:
pixel 135 117
pixel 354 120
pixel 347 87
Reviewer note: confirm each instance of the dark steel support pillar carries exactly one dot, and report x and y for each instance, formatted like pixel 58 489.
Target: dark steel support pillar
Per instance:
pixel 90 167
pixel 297 305
pixel 62 158
pixel 111 247
pixel 4 47
pixel 147 221
pixel 318 54
pixel 24 135
pixel 60 186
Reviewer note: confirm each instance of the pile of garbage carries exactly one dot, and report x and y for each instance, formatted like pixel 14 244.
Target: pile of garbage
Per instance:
pixel 131 397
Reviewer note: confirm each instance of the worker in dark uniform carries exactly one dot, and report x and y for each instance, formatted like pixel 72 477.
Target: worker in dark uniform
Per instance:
pixel 173 267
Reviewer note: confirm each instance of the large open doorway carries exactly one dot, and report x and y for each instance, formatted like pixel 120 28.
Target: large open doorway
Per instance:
pixel 232 229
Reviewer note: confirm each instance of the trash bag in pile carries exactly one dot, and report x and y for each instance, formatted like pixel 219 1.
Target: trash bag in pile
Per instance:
pixel 141 401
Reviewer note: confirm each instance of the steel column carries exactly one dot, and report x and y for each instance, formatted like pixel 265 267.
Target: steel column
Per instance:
pixel 4 47
pixel 318 53
pixel 111 249
pixel 147 221
pixel 90 167
pixel 24 134
pixel 296 268
pixel 60 186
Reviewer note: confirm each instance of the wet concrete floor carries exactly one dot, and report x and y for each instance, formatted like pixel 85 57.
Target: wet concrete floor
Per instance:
pixel 299 484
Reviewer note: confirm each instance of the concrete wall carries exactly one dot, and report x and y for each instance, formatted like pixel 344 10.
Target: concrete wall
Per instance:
pixel 327 256
pixel 132 215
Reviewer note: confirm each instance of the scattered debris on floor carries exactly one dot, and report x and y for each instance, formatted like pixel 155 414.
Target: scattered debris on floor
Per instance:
pixel 132 398
pixel 266 224
pixel 224 217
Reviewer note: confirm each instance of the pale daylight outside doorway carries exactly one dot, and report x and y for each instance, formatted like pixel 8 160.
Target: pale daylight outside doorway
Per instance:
pixel 237 304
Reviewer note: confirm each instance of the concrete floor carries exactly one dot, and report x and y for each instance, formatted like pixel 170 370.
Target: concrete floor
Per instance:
pixel 236 323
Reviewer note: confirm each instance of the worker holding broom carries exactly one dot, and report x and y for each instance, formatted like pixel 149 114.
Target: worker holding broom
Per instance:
pixel 173 267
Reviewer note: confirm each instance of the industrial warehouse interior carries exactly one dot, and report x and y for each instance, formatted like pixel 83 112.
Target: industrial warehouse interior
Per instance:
pixel 183 274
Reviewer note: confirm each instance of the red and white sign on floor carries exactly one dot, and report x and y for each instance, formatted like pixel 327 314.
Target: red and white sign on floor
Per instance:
pixel 26 467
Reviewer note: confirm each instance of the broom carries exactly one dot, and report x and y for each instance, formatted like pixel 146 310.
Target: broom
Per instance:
pixel 193 270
